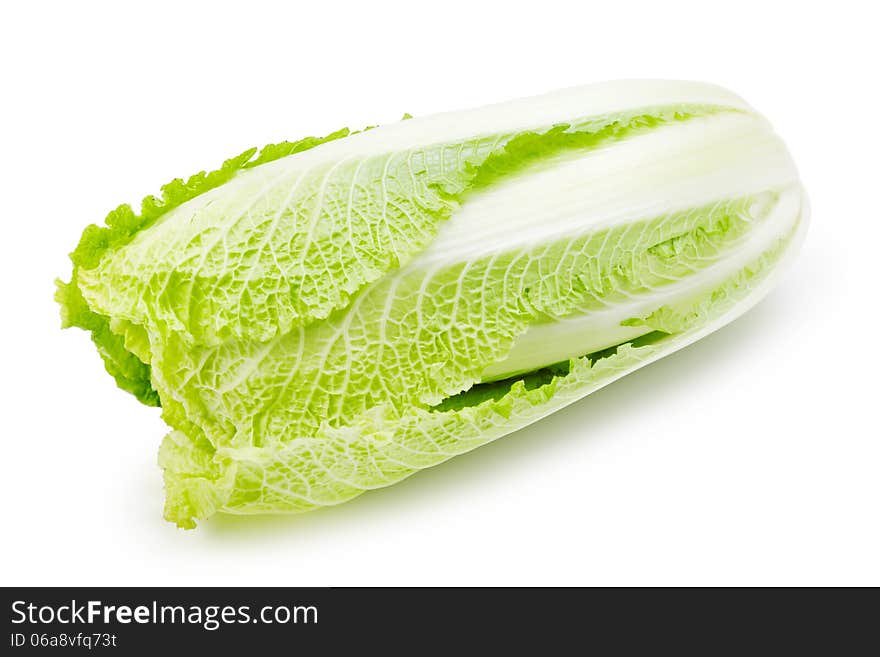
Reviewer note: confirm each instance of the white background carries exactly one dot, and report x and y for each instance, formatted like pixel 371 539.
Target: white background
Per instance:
pixel 749 458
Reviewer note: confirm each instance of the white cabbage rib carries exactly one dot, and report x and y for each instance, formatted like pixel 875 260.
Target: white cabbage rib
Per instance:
pixel 676 167
pixel 672 168
pixel 570 337
pixel 516 116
